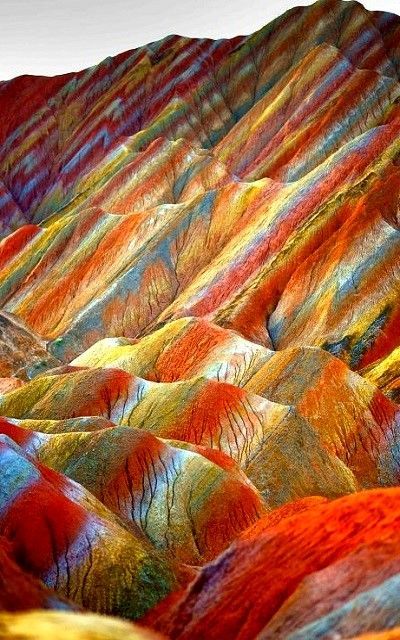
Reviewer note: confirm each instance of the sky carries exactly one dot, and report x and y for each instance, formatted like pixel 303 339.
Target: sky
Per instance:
pixel 49 37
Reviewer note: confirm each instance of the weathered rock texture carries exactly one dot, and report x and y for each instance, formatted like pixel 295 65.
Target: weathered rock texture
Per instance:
pixel 200 338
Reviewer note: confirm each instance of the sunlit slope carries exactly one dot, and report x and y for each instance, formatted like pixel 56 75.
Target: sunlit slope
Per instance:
pixel 199 338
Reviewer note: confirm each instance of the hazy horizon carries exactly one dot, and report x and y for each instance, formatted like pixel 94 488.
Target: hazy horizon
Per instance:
pixel 44 37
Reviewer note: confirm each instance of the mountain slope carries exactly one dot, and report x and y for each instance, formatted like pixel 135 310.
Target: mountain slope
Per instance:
pixel 200 334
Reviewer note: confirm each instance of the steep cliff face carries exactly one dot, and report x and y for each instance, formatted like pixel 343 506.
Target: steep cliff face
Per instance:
pixel 200 334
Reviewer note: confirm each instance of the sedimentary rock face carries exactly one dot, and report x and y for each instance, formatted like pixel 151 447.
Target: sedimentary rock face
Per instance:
pixel 200 338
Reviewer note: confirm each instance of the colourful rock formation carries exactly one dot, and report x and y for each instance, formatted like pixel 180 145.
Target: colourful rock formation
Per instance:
pixel 154 485
pixel 281 453
pixel 22 354
pixel 64 536
pixel 67 626
pixel 20 591
pixel 159 204
pixel 200 337
pixel 182 349
pixel 330 569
